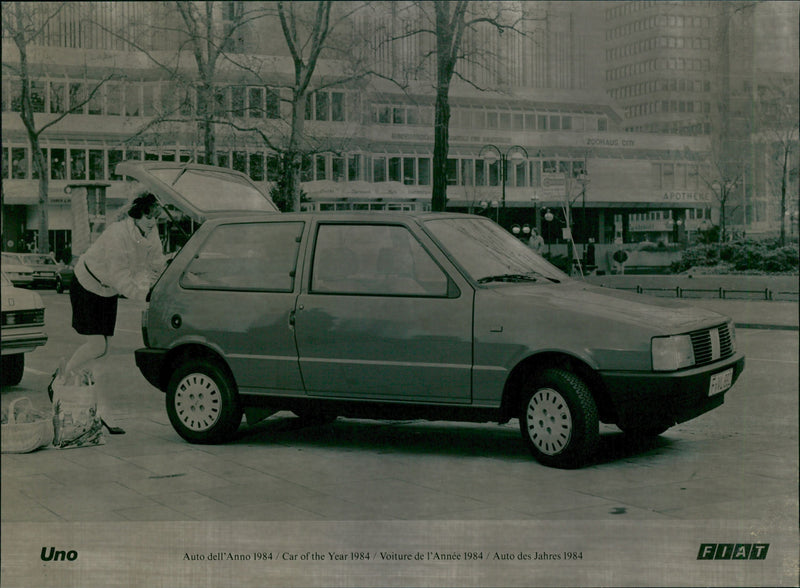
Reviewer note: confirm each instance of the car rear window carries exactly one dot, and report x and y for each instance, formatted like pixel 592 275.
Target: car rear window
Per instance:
pixel 246 256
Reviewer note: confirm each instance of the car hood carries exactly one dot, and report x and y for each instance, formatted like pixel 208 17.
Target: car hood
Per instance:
pixel 199 191
pixel 596 303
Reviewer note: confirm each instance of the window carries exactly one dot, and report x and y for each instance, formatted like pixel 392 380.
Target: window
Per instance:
pixel 273 104
pixel 409 176
pixel 248 256
pixel 238 101
pixel 114 157
pixel 77 159
pixel 58 164
pixel 424 171
pixel 273 168
pixel 97 164
pixel 131 100
pixel 240 161
pixel 321 167
pixel 337 169
pixel 221 101
pixel 480 172
pixel 383 260
pixel 452 172
pixel 379 169
pixel 257 166
pixel 113 99
pixel 354 168
pixel 398 115
pixel 321 106
pixel 337 106
pixel 19 163
pixel 255 98
pixel 394 169
pixel 37 96
pixel 58 92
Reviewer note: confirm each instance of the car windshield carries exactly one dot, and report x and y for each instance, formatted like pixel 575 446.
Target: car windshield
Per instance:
pixel 211 191
pixel 489 253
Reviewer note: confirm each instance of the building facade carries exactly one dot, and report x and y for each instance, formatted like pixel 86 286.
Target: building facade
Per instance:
pixel 546 138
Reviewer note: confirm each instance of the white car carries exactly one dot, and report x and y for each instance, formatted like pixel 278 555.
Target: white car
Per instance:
pixel 22 329
pixel 19 273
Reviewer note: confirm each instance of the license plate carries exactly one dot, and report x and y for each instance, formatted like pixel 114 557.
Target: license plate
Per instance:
pixel 720 382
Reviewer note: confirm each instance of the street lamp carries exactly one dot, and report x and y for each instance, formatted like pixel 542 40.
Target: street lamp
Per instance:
pixel 493 153
pixel 548 216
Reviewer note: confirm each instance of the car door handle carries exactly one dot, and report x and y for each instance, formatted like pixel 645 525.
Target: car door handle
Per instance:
pixel 291 319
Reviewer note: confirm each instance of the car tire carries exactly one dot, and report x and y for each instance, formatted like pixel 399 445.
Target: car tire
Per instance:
pixel 13 367
pixel 202 402
pixel 558 398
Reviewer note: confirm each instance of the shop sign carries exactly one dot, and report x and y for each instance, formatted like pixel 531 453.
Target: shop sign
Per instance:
pixel 686 196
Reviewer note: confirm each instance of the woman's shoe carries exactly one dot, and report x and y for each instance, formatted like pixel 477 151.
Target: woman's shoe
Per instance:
pixel 50 385
pixel 113 430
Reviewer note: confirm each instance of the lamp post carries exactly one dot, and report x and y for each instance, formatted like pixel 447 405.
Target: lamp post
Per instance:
pixel 548 216
pixel 493 154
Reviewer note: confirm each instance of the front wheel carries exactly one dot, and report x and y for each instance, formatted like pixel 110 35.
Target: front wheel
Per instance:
pixel 202 403
pixel 558 419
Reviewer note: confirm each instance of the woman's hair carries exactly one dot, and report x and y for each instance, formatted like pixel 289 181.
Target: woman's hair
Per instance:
pixel 142 205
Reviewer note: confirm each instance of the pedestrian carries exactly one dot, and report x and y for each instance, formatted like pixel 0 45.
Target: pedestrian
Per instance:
pixel 536 242
pixel 124 261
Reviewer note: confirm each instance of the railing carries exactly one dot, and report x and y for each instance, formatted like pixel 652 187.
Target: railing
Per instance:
pixel 721 293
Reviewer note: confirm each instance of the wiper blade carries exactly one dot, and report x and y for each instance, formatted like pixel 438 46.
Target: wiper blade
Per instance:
pixel 508 278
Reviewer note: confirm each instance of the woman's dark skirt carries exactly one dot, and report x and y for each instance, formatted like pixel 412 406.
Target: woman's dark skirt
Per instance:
pixel 92 314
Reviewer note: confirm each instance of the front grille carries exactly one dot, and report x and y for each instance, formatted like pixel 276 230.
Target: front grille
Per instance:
pixel 15 318
pixel 711 345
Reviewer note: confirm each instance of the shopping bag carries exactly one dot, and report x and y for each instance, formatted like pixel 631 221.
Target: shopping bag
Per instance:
pixel 24 428
pixel 75 419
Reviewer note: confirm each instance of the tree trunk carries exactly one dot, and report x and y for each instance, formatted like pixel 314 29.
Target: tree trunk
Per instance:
pixel 783 194
pixel 293 153
pixel 441 143
pixel 40 167
pixel 205 111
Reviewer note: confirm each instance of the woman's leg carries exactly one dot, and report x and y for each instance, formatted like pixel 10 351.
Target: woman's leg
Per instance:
pixel 96 346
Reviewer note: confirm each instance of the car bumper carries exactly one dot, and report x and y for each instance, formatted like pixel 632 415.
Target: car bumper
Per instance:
pixel 151 363
pixel 22 343
pixel 667 398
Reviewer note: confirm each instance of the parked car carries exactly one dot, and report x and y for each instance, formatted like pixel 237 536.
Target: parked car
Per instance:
pixel 20 274
pixel 418 315
pixel 45 267
pixel 22 329
pixel 65 275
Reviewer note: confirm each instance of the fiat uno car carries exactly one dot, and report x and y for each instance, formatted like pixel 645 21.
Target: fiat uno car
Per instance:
pixel 434 316
pixel 22 330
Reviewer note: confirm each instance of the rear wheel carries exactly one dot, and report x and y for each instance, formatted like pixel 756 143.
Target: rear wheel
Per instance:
pixel 202 402
pixel 558 419
pixel 13 367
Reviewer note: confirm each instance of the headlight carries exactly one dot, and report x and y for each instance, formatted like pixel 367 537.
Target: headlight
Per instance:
pixel 672 353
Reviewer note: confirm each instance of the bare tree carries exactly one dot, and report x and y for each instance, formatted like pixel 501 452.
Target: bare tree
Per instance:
pixel 449 24
pixel 779 120
pixel 24 23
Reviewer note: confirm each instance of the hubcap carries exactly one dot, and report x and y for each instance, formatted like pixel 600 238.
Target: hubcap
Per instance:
pixel 198 402
pixel 549 421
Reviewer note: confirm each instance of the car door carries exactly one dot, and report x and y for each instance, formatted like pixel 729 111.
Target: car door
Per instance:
pixel 382 319
pixel 238 294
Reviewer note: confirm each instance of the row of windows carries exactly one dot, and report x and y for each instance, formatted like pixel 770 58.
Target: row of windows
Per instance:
pixel 626 8
pixel 677 176
pixel 654 43
pixel 486 118
pixel 660 64
pixel 691 213
pixel 99 164
pixel 657 106
pixel 663 85
pixel 672 128
pixel 659 21
pixel 137 98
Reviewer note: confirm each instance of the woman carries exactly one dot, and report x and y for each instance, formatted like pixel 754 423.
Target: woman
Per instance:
pixel 124 261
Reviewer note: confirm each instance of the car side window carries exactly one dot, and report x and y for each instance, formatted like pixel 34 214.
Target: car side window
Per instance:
pixel 374 259
pixel 247 256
